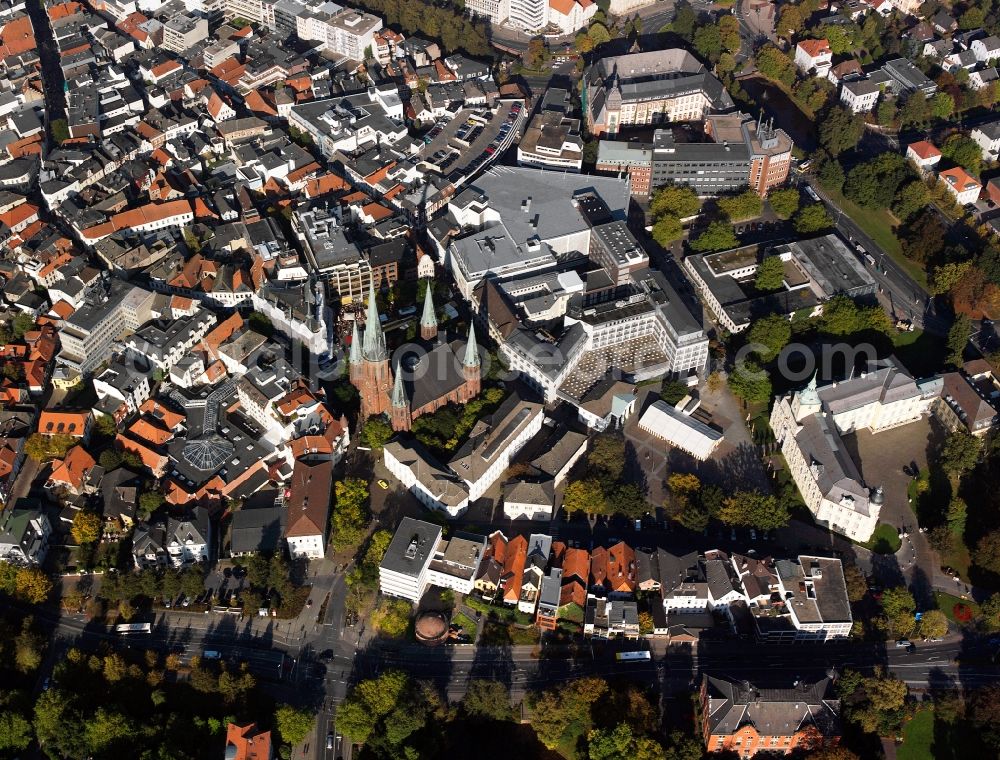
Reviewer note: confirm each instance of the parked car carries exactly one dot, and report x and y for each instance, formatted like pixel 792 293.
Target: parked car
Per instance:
pixel 382 483
pixel 903 643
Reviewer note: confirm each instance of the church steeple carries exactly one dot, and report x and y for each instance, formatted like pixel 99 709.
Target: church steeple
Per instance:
pixel 470 366
pixel 428 321
pixel 471 349
pixel 370 372
pixel 398 392
pixel 399 412
pixel 374 343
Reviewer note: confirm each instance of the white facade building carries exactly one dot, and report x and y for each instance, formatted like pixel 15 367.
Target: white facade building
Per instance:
pixel 456 562
pixel 405 568
pixel 808 425
pixel 860 96
pixel 188 540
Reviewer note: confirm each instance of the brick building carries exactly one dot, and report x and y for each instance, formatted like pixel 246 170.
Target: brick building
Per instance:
pixel 740 717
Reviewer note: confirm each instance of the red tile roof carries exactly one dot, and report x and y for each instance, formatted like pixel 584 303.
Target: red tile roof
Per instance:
pixel 925 149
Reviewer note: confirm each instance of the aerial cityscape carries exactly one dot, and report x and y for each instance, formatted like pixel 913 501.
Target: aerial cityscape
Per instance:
pixel 558 379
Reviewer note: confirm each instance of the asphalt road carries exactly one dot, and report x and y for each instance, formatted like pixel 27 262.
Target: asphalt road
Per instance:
pixel 904 296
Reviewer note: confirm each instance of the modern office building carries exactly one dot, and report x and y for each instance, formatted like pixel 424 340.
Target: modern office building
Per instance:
pixel 404 569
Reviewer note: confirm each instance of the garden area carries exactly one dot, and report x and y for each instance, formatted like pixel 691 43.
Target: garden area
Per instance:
pixel 444 430
pixel 885 540
pixel 918 737
pixel 958 611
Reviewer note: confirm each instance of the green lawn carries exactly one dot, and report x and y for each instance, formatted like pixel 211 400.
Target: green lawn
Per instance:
pixel 467 624
pixel 946 603
pixel 918 737
pixel 878 224
pixel 885 540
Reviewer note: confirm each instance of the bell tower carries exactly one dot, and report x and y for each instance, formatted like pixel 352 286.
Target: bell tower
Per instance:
pixel 374 379
pixel 400 412
pixel 471 367
pixel 428 321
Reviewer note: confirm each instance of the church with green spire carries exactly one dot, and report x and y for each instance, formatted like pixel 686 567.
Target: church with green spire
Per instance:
pixel 441 372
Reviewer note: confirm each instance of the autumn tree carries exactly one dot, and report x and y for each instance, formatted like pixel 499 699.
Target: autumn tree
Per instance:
pixel 750 382
pixel 960 452
pixel 718 236
pixel 785 202
pixel 768 335
pixel 812 218
pixel 899 607
pixel 585 496
pixel 987 553
pixel 754 509
pixel 487 700
pixel 933 625
pixel 86 528
pixel 293 724
pixel 349 521
pixel 555 708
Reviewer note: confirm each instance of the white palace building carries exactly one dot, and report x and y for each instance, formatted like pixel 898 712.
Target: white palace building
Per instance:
pixel 808 425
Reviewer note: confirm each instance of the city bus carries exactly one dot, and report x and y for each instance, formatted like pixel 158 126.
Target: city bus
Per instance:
pixel 633 656
pixel 126 629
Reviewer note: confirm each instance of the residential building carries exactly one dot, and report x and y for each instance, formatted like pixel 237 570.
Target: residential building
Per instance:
pixel 987 136
pixel 903 78
pixel 24 536
pixel 549 600
pixel 813 57
pixel 610 618
pixel 528 501
pixel 739 717
pixel 308 504
pixel 72 424
pixel 347 123
pixel 924 154
pixel 968 399
pixel 248 743
pixel 814 594
pixel 455 563
pixel 983 78
pixel 189 539
pixel 861 95
pixel 986 49
pixel 149 545
pixel 405 567
pixel 641 89
pixel 570 16
pixel 963 186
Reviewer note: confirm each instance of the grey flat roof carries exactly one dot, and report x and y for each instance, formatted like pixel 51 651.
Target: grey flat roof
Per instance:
pixel 413 544
pixel 832 266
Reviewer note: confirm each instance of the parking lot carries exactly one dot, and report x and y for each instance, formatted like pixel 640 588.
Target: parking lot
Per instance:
pixel 472 140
